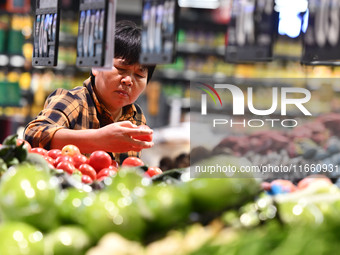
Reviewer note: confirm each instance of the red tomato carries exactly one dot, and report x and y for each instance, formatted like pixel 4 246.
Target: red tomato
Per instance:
pixel 66 166
pixel 114 163
pixel 79 159
pixel 99 160
pixel 113 168
pixel 305 182
pixel 49 160
pixel 63 158
pixel 265 186
pixel 105 173
pixel 27 145
pixel 132 161
pixel 146 138
pixel 88 170
pixel 153 171
pixel 54 153
pixel 39 150
pixel 70 150
pixel 86 179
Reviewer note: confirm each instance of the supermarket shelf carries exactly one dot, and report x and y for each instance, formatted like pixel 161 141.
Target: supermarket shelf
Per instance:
pixel 61 67
pixel 190 48
pixel 286 58
pixel 322 63
pixel 67 40
pixel 175 75
pixel 187 16
pixel 190 75
pixel 12 61
pixel 190 18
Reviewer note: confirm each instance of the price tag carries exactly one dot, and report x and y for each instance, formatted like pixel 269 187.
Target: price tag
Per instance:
pixel 159 19
pixel 18 6
pixel 95 43
pixel 322 39
pixel 46 33
pixel 251 31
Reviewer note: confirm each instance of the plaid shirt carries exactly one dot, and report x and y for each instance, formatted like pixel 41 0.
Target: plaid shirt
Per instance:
pixel 77 109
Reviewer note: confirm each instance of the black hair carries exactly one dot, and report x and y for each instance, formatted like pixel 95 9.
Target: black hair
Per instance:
pixel 128 44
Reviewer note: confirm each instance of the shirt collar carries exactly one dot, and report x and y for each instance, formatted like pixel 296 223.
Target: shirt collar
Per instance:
pixel 129 112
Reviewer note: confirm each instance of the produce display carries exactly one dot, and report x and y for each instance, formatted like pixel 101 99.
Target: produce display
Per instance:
pixel 310 148
pixel 63 202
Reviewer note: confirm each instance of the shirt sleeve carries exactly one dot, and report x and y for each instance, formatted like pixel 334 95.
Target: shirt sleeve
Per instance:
pixel 60 111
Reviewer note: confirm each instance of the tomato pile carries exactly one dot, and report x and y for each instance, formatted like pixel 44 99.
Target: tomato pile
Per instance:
pixel 69 159
pixel 96 167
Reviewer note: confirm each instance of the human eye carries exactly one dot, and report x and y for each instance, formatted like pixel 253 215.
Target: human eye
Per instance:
pixel 120 68
pixel 141 73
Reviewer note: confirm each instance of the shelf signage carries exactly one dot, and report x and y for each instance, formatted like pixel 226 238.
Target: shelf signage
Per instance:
pixel 18 6
pixel 251 31
pixel 96 30
pixel 46 33
pixel 159 19
pixel 321 42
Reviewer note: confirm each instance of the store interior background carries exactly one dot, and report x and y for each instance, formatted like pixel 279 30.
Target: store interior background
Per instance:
pixel 200 52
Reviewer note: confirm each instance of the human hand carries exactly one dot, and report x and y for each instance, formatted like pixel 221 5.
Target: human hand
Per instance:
pixel 117 137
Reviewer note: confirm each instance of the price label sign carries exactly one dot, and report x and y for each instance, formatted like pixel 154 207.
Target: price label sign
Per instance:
pixel 251 31
pixel 321 42
pixel 95 43
pixel 18 6
pixel 159 19
pixel 46 33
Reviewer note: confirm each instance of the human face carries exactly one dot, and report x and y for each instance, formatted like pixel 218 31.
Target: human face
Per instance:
pixel 120 86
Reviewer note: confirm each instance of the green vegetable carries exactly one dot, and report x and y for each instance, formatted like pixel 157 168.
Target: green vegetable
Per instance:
pixel 126 177
pixel 3 166
pixel 212 195
pixel 165 206
pixel 105 213
pixel 170 176
pixel 69 203
pixel 28 194
pixel 67 240
pixel 20 238
pixel 10 140
pixel 38 161
pixel 10 153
